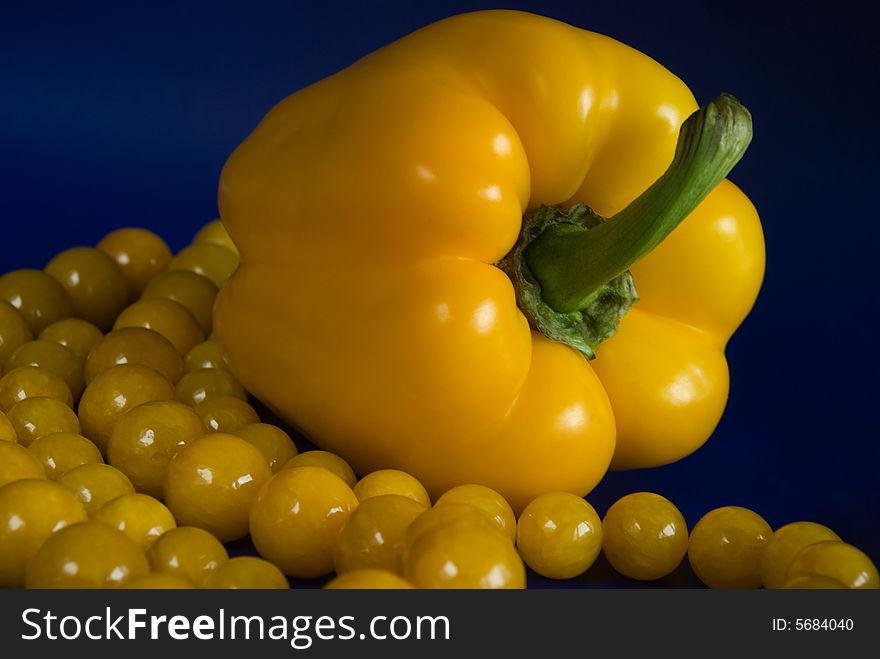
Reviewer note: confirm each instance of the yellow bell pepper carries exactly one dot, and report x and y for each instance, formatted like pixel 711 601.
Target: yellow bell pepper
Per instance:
pixel 380 218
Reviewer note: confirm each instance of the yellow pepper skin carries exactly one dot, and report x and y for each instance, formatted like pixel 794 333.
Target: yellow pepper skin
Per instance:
pixel 370 210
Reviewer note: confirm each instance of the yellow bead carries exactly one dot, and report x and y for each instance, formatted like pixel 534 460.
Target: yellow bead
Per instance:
pixel 451 513
pixel 369 579
pixel 17 462
pixel 214 233
pixel 196 387
pixel 52 357
pixel 373 535
pixel 134 345
pixel 207 354
pixel 95 484
pixel 644 536
pixel 559 535
pixel 140 254
pixel 77 335
pixel 167 317
pixel 192 291
pixel 212 483
pixel 95 283
pixel 14 331
pixel 275 444
pixel 226 414
pixel 37 417
pixel 784 545
pixel 391 481
pixel 485 499
pixel 86 555
pixel 159 581
pixel 836 560
pixel 187 552
pixel 113 393
pixel 31 510
pixel 296 519
pixel 329 461
pixel 62 451
pixel 38 297
pixel 249 573
pixel 29 382
pixel 211 261
pixel 463 555
pixel 145 439
pixel 813 582
pixel 139 516
pixel 7 431
pixel 726 547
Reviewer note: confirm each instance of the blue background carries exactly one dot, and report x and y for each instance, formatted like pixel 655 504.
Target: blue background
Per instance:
pixel 123 114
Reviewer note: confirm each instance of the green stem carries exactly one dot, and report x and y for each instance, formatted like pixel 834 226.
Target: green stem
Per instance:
pixel 571 266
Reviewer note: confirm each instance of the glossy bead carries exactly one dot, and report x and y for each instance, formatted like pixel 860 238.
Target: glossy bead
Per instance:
pixel 784 545
pixel 207 354
pixel 485 499
pixel 196 387
pixel 813 582
pixel 329 461
pixel 559 535
pixel 249 573
pixel 275 444
pixel 17 462
pixel 140 254
pixel 37 417
pixel 86 555
pixel 145 439
pixel 113 393
pixel 391 481
pixel 139 516
pixel 30 511
pixel 836 560
pixel 193 291
pixel 38 297
pixel 214 233
pixel 159 581
pixel 77 335
pixel 62 451
pixel 452 513
pixel 211 261
pixel 369 579
pixel 134 345
pixel 95 484
pixel 7 431
pixel 226 414
pixel 463 555
pixel 296 519
pixel 644 536
pixel 52 357
pixel 213 482
pixel 95 283
pixel 188 552
pixel 373 535
pixel 30 382
pixel 167 317
pixel 726 547
pixel 14 331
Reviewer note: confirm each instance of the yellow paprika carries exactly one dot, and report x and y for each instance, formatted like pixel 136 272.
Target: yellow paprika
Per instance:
pixel 426 270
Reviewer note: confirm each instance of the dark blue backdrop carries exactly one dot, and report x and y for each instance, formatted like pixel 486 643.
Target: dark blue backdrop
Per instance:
pixel 123 114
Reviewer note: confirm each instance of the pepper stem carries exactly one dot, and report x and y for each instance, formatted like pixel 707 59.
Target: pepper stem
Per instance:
pixel 572 266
